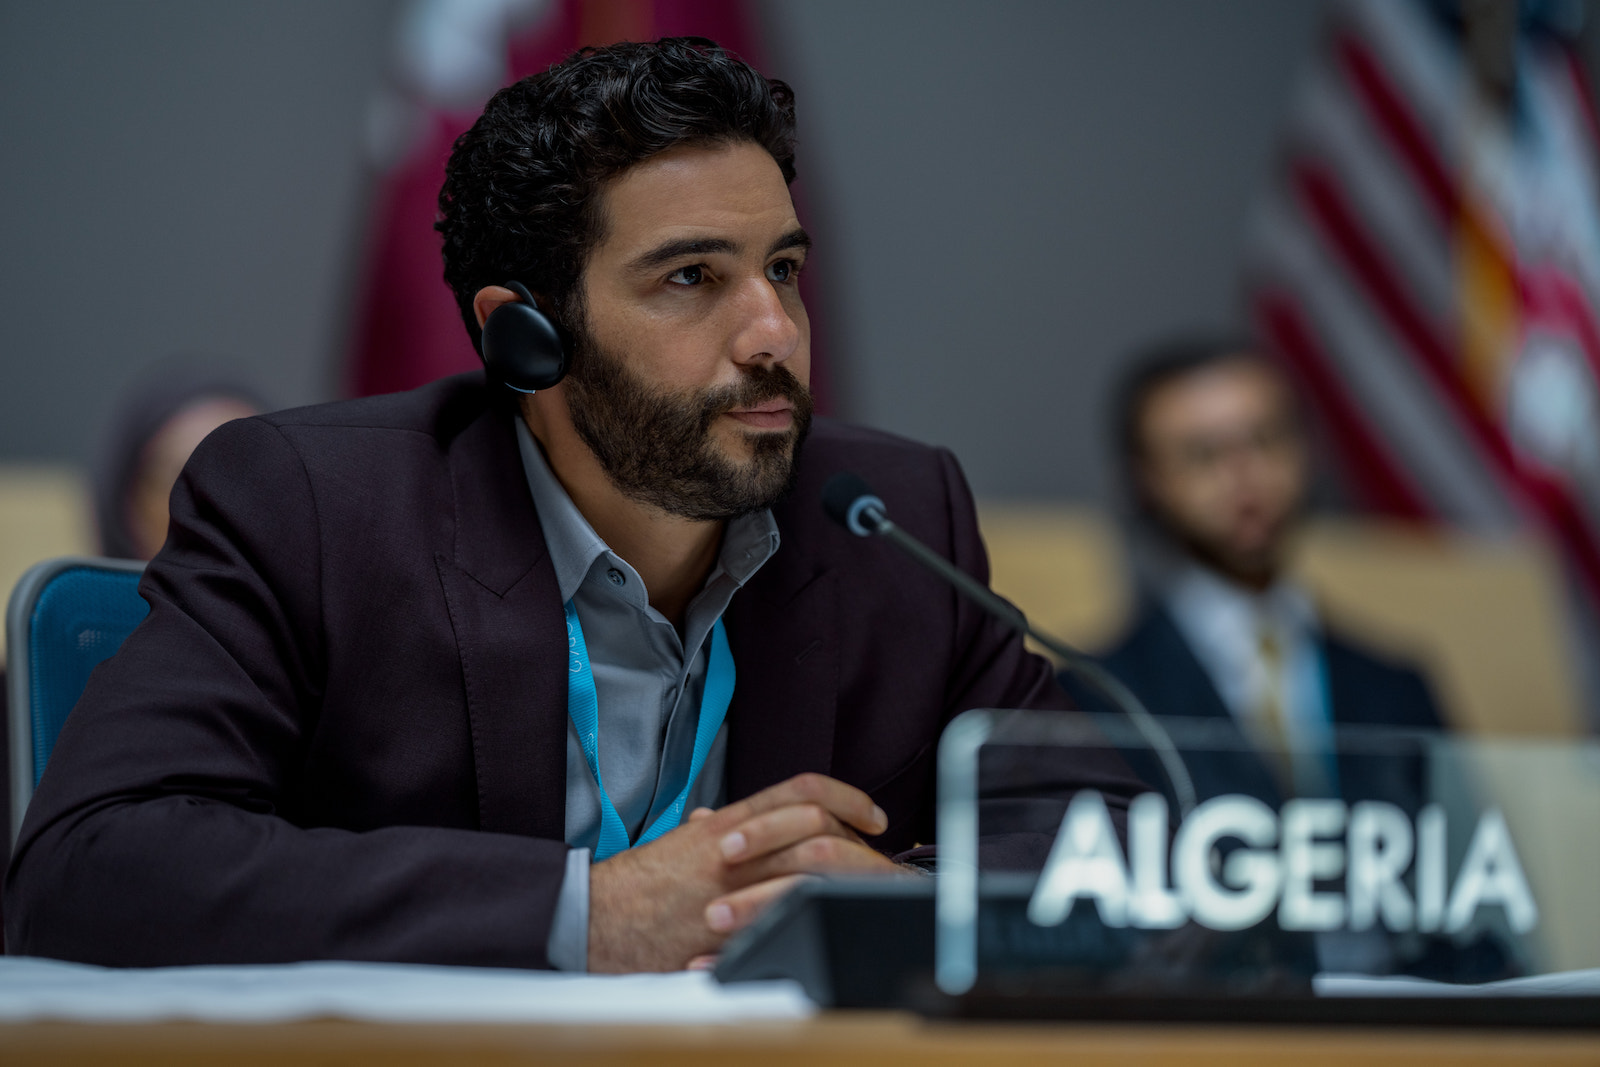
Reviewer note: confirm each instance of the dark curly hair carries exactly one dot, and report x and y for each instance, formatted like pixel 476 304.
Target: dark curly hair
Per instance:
pixel 1160 364
pixel 521 192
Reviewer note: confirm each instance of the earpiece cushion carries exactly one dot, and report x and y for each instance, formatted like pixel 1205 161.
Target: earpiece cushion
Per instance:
pixel 522 348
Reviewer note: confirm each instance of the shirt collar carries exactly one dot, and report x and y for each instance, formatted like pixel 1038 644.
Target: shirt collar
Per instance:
pixel 1214 611
pixel 748 542
pixel 573 544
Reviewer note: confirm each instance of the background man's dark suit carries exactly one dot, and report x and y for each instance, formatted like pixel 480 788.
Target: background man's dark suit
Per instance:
pixel 1364 689
pixel 341 731
pixel 1155 661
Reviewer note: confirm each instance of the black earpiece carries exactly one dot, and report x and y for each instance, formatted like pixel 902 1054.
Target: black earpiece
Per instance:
pixel 522 348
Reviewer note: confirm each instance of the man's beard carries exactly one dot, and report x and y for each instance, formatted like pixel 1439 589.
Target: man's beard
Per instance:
pixel 657 447
pixel 1253 570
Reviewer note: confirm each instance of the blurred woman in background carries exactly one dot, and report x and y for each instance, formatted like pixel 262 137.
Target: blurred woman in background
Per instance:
pixel 156 425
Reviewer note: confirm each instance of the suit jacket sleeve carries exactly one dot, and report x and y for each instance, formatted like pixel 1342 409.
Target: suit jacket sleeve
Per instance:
pixel 169 826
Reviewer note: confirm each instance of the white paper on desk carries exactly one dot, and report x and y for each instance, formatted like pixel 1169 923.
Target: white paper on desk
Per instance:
pixel 1557 984
pixel 49 989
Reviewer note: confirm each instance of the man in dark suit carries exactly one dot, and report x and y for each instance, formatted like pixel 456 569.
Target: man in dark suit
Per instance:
pixel 576 678
pixel 1216 464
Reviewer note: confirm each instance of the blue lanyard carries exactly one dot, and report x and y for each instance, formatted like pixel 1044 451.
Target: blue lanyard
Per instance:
pixel 584 707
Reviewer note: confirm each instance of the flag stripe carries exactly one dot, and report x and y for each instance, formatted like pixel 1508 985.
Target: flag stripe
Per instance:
pixel 1383 482
pixel 1550 501
pixel 1389 388
pixel 1339 227
pixel 1404 133
pixel 1555 299
pixel 1583 92
pixel 1336 223
pixel 1335 131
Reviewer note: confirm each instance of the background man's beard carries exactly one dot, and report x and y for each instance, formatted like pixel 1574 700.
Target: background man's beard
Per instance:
pixel 1256 570
pixel 657 447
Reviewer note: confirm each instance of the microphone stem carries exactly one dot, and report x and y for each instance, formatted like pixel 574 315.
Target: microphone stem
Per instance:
pixel 1084 666
pixel 1001 609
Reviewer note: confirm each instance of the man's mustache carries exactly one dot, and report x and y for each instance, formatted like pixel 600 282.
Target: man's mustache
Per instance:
pixel 758 385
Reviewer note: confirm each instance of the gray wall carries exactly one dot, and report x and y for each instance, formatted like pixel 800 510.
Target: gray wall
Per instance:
pixel 181 176
pixel 1007 195
pixel 1016 192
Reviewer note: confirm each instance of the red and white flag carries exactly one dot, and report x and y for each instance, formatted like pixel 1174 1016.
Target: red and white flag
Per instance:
pixel 450 57
pixel 1428 262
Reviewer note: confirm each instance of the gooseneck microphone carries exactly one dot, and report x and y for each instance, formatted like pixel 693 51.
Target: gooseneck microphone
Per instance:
pixel 851 503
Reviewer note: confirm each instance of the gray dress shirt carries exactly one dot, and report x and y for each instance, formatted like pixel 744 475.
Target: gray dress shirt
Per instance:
pixel 1222 623
pixel 648 682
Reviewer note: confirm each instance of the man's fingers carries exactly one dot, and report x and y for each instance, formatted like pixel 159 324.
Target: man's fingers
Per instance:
pixel 778 829
pixel 737 910
pixel 825 854
pixel 700 813
pixel 844 802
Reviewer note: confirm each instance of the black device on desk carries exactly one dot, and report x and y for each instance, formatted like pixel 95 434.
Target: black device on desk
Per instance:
pixel 869 943
pixel 850 942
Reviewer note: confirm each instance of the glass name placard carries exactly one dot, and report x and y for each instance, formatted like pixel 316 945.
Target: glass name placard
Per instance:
pixel 1221 864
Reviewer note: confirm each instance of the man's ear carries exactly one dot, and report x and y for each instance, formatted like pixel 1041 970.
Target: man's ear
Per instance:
pixel 490 297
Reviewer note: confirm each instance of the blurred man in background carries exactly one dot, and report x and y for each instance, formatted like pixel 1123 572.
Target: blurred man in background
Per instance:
pixel 1214 460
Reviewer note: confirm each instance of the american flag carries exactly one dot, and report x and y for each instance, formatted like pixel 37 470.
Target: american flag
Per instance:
pixel 1428 262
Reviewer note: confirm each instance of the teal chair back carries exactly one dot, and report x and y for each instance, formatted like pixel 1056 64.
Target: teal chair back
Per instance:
pixel 65 616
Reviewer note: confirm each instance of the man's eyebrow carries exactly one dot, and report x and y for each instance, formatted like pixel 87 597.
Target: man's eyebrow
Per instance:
pixel 795 238
pixel 663 254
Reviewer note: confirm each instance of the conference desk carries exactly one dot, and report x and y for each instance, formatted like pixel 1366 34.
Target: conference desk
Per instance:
pixel 836 1039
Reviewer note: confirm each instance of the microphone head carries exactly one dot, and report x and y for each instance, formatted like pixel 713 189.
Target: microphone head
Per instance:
pixel 851 503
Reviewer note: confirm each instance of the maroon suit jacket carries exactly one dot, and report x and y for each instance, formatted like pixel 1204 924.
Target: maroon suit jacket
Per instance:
pixel 341 731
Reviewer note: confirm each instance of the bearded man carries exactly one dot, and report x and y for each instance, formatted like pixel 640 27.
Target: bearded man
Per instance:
pixel 581 678
pixel 1215 461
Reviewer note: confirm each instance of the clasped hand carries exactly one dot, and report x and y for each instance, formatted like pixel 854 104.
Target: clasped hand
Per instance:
pixel 659 905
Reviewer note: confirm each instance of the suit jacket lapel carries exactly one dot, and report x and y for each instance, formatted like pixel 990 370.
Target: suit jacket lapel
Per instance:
pixel 505 608
pixel 1180 681
pixel 1180 685
pixel 782 632
pixel 1345 708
